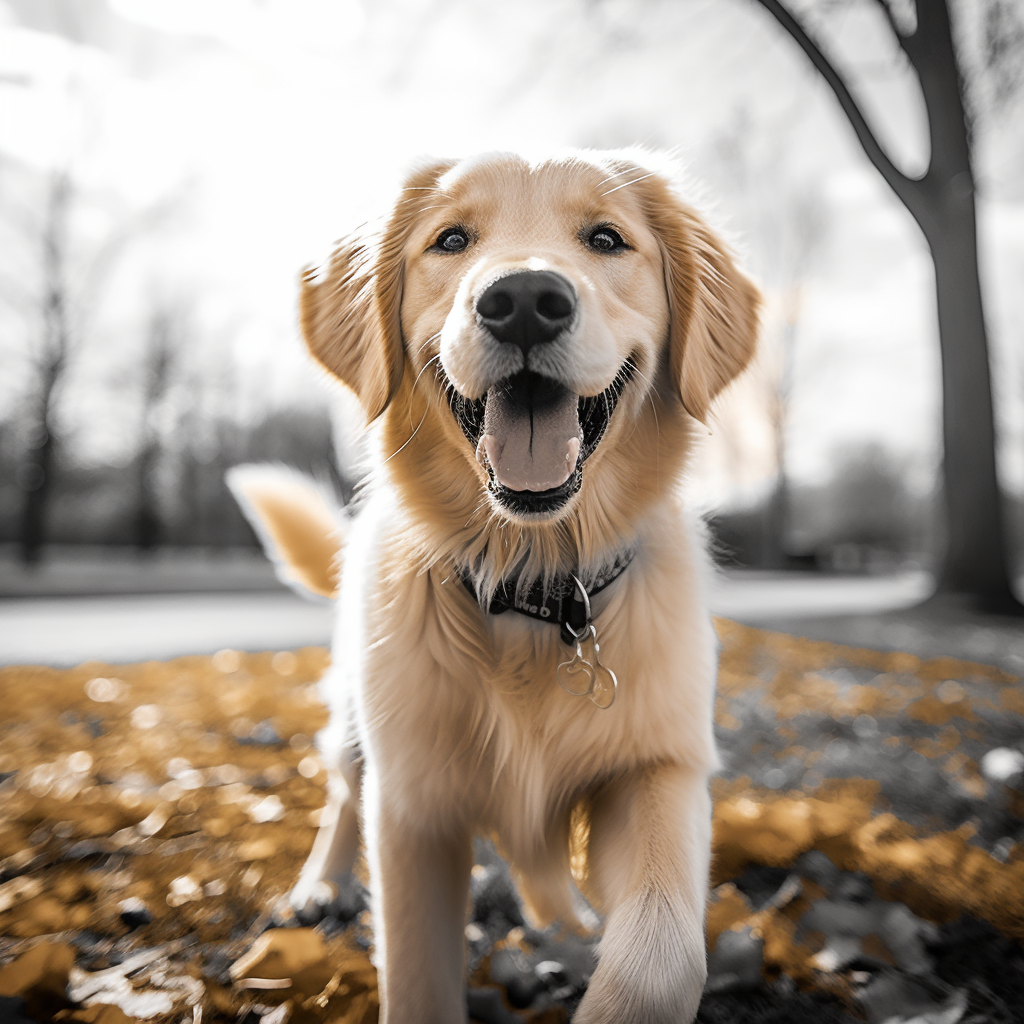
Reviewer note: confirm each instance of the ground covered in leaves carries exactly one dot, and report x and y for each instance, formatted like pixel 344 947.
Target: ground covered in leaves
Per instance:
pixel 869 848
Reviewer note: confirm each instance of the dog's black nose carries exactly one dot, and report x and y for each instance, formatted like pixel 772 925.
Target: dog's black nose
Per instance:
pixel 527 308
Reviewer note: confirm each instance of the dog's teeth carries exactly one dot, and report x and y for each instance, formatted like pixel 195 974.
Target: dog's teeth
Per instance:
pixel 481 451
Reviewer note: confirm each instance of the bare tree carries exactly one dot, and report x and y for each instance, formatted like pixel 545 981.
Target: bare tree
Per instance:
pixel 974 564
pixel 784 218
pixel 804 230
pixel 35 475
pixel 57 289
pixel 162 345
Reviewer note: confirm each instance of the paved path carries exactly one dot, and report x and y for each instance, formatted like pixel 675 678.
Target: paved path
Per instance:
pixel 759 598
pixel 68 630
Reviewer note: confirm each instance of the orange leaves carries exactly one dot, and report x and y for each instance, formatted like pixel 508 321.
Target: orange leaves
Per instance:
pixel 148 802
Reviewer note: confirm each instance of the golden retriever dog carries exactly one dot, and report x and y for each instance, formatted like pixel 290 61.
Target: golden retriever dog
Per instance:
pixel 523 648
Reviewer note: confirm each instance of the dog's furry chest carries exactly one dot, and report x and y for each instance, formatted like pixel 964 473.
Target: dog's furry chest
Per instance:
pixel 463 713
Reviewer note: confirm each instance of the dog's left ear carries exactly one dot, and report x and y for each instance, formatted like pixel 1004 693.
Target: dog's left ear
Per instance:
pixel 350 310
pixel 713 307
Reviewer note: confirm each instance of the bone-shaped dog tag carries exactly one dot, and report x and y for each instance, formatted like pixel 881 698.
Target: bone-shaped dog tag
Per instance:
pixel 606 686
pixel 606 683
pixel 576 676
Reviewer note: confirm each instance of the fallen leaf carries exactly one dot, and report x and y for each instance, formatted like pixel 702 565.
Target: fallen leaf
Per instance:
pixel 161 993
pixel 18 890
pixel 98 1013
pixel 295 955
pixel 43 969
pixel 257 849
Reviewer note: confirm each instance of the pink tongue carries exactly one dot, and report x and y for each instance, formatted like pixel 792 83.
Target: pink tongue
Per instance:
pixel 525 456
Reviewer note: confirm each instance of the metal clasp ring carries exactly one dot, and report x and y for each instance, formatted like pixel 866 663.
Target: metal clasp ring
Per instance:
pixel 586 606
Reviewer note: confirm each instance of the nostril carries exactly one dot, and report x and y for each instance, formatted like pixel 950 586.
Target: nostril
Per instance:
pixel 526 308
pixel 495 305
pixel 554 305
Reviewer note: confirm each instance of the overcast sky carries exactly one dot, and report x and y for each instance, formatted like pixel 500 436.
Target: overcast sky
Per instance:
pixel 281 124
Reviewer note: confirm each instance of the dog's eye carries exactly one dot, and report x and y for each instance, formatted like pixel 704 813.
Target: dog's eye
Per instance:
pixel 605 240
pixel 452 240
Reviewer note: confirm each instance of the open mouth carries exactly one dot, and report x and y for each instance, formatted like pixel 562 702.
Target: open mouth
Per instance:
pixel 532 435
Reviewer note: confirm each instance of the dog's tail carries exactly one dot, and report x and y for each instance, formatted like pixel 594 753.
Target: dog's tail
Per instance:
pixel 300 532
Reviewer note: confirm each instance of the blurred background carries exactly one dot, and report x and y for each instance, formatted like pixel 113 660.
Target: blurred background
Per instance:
pixel 168 166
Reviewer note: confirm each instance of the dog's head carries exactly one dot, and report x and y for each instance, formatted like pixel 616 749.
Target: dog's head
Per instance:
pixel 538 335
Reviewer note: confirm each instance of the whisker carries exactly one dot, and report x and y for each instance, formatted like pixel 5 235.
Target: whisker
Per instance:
pixel 433 337
pixel 425 410
pixel 432 359
pixel 651 174
pixel 617 174
pixel 640 373
pixel 654 410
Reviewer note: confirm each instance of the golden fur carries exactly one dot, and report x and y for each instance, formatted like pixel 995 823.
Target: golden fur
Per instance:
pixel 461 724
pixel 295 525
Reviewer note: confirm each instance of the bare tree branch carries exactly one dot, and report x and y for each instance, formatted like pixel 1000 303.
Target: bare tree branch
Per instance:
pixel 938 71
pixel 908 190
pixel 908 41
pixel 890 17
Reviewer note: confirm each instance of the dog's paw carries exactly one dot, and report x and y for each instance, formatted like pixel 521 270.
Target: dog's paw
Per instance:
pixel 645 974
pixel 643 996
pixel 342 901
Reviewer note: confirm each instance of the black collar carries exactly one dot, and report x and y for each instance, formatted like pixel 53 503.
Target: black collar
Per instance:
pixel 559 603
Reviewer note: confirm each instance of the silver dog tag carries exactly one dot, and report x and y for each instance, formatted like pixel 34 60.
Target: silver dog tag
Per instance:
pixel 576 676
pixel 584 675
pixel 606 683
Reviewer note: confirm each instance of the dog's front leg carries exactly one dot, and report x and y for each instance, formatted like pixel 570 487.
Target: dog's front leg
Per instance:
pixel 420 878
pixel 649 855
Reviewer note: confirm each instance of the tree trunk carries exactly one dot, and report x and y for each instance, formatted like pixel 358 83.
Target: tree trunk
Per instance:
pixel 974 565
pixel 776 520
pixel 156 372
pixel 36 473
pixel 776 553
pixel 36 478
pixel 40 460
pixel 973 568
pixel 147 525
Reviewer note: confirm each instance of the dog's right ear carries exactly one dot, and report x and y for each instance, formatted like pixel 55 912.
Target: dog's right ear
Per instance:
pixel 350 309
pixel 713 306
